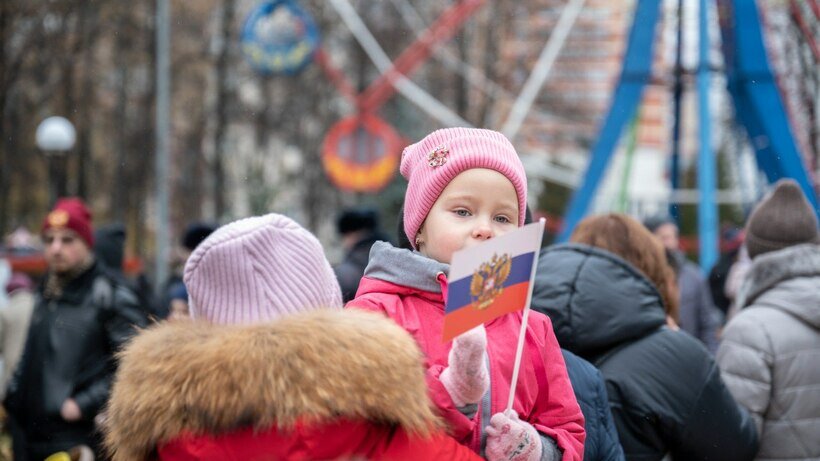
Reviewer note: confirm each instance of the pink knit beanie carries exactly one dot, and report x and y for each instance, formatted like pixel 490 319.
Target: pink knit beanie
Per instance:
pixel 257 269
pixel 430 164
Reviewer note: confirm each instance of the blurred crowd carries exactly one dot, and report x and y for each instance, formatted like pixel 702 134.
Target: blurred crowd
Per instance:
pixel 633 352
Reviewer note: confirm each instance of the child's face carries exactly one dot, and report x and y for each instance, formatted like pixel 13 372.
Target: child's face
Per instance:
pixel 477 205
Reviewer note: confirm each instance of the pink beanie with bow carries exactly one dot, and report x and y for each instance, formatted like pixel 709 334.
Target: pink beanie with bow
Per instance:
pixel 257 269
pixel 430 164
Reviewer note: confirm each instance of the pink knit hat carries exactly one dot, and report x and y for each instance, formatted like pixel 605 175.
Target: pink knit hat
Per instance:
pixel 430 164
pixel 257 269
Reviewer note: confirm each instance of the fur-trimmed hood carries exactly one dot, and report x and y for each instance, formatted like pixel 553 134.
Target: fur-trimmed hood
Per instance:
pixel 200 378
pixel 794 269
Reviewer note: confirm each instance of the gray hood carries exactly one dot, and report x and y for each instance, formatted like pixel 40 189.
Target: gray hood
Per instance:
pixel 404 267
pixel 788 279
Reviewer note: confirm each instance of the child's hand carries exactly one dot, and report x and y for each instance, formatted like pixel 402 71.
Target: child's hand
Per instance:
pixel 466 378
pixel 510 439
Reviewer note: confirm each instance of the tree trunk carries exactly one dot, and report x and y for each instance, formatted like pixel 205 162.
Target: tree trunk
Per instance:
pixel 221 106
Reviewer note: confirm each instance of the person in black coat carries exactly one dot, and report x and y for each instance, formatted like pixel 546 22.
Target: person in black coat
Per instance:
pixel 359 230
pixel 608 295
pixel 602 442
pixel 81 318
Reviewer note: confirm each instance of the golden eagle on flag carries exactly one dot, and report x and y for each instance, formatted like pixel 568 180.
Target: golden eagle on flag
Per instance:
pixel 488 281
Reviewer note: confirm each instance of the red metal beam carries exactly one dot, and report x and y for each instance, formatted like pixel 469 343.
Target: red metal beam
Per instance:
pixel 443 29
pixel 335 75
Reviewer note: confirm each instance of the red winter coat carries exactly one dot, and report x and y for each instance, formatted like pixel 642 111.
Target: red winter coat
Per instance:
pixel 325 385
pixel 340 440
pixel 544 395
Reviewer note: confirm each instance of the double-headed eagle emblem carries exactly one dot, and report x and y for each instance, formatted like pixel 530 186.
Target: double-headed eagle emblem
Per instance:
pixel 58 218
pixel 488 281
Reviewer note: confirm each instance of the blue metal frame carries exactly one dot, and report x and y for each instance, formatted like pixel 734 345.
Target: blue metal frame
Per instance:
pixel 707 175
pixel 674 169
pixel 754 91
pixel 634 76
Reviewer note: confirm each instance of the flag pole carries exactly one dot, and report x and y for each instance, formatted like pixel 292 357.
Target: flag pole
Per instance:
pixel 523 332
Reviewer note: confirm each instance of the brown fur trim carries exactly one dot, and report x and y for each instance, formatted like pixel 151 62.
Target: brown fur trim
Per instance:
pixel 203 378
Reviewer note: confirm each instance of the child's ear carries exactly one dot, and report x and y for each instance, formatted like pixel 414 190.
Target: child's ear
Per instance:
pixel 418 240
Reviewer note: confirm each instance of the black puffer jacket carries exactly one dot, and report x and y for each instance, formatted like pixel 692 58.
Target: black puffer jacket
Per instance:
pixel 665 391
pixel 69 352
pixel 349 272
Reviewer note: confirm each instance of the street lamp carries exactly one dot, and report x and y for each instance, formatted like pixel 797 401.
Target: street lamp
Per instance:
pixel 55 137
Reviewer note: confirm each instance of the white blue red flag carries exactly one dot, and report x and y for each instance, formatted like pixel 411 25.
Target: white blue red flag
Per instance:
pixel 491 279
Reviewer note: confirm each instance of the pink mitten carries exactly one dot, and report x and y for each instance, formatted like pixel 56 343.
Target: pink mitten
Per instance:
pixel 510 439
pixel 466 377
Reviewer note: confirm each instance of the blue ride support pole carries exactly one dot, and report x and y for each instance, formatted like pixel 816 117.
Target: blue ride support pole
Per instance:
pixel 634 76
pixel 707 208
pixel 674 169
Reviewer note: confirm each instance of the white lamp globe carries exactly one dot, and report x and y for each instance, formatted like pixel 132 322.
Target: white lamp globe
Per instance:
pixel 55 134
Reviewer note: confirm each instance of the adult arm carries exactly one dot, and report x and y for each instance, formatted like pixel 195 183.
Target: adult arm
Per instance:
pixel 746 363
pixel 121 318
pixel 717 427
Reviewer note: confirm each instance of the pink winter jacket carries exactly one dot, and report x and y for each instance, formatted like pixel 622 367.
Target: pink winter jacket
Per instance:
pixel 408 288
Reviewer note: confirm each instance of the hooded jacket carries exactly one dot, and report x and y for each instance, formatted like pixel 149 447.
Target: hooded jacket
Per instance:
pixel 408 287
pixel 327 384
pixel 664 388
pixel 770 353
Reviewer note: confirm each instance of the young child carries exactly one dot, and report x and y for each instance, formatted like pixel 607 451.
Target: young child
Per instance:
pixel 271 367
pixel 465 186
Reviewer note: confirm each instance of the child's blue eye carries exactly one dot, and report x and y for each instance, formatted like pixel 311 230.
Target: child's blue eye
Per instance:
pixel 462 212
pixel 503 219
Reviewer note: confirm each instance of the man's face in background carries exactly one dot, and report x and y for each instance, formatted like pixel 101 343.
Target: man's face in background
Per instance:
pixel 64 249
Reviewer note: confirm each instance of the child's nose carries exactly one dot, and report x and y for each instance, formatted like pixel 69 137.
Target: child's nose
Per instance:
pixel 483 231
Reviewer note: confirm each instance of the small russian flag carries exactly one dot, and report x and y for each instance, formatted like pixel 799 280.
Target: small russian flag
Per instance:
pixel 491 279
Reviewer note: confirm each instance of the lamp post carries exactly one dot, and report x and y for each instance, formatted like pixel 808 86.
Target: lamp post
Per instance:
pixel 55 137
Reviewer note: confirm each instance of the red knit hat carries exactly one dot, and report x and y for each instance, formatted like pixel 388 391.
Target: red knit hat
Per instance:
pixel 71 213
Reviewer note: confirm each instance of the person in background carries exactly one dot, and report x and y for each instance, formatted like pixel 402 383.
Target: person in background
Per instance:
pixel 770 351
pixel 270 367
pixel 697 314
pixel 80 320
pixel 15 314
pixel 732 242
pixel 609 293
pixel 359 230
pixel 109 249
pixel 176 292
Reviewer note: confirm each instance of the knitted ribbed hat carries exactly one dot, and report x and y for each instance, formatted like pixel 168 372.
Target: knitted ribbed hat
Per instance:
pixel 257 269
pixel 71 213
pixel 430 164
pixel 783 219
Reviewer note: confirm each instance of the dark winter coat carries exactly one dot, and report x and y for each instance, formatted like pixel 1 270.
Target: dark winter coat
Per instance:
pixel 349 272
pixel 69 352
pixel 664 388
pixel 698 315
pixel 602 442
